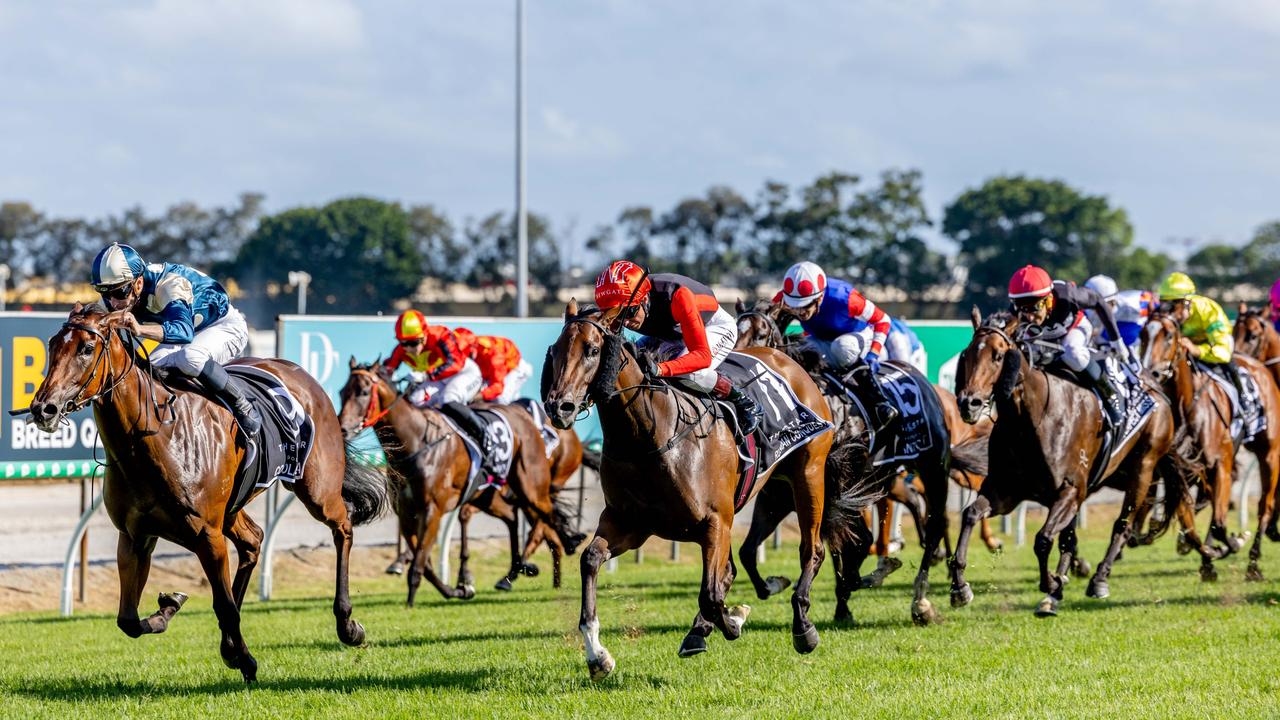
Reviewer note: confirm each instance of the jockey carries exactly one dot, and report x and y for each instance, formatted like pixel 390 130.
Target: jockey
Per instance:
pixel 187 312
pixel 1275 305
pixel 443 374
pixel 501 366
pixel 836 316
pixel 683 324
pixel 1130 308
pixel 1051 311
pixel 1206 331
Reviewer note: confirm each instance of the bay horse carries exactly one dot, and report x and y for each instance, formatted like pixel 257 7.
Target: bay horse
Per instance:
pixel 432 465
pixel 172 456
pixel 1256 337
pixel 1045 442
pixel 670 468
pixel 1205 408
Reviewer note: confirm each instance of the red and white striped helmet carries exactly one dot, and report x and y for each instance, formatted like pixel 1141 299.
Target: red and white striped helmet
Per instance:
pixel 804 283
pixel 1028 282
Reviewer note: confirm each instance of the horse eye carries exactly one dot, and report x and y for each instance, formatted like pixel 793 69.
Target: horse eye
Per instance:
pixel 592 351
pixel 86 349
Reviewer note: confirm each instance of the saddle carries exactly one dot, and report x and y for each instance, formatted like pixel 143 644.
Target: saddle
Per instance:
pixel 912 434
pixel 489 469
pixel 1247 418
pixel 280 450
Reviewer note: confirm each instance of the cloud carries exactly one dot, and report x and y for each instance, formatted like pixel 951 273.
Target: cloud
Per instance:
pixel 563 135
pixel 272 27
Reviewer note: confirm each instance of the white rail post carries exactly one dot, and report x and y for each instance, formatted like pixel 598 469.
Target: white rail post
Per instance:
pixel 73 549
pixel 1021 536
pixel 267 559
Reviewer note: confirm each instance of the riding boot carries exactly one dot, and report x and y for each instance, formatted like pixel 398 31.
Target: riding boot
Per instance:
pixel 470 422
pixel 1110 396
pixel 1233 374
pixel 883 412
pixel 214 377
pixel 748 410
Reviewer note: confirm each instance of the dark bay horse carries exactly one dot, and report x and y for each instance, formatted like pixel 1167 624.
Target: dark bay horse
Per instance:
pixel 1205 408
pixel 1044 445
pixel 925 496
pixel 172 457
pixel 432 464
pixel 669 468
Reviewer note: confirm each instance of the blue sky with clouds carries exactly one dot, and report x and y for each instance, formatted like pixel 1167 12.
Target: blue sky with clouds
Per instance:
pixel 1172 108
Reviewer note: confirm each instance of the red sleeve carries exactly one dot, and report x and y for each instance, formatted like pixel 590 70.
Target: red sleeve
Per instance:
pixel 397 357
pixel 865 310
pixel 684 310
pixel 451 358
pixel 777 298
pixel 493 389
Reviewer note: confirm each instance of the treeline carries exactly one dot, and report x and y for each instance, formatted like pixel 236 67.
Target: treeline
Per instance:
pixel 365 255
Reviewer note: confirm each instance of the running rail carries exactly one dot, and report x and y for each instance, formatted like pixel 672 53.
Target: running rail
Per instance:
pixel 73 550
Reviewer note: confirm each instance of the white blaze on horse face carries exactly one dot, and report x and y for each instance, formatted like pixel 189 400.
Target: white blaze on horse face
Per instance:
pixel 591 640
pixel 66 338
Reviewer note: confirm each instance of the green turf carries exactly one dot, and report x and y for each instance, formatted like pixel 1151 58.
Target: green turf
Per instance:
pixel 1164 646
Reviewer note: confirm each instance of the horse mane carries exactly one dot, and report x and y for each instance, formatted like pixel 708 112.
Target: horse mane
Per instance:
pixel 1010 374
pixel 603 386
pixel 1000 319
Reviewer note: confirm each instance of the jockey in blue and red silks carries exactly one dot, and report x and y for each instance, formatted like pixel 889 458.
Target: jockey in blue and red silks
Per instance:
pixel 835 317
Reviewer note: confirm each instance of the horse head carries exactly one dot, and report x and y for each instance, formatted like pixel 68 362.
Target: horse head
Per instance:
pixel 1160 346
pixel 365 397
pixel 760 325
pixel 87 359
pixel 1253 334
pixel 988 370
pixel 582 365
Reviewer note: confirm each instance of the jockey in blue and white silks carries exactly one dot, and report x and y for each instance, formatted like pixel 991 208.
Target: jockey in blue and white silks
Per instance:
pixel 184 310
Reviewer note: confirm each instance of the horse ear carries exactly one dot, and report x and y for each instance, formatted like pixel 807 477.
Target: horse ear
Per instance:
pixel 571 309
pixel 740 306
pixel 1243 308
pixel 976 317
pixel 75 309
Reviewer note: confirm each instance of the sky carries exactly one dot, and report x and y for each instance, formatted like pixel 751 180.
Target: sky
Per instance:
pixel 1170 108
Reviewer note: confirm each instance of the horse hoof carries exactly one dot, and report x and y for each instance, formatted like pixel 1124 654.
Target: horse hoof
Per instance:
pixel 1081 569
pixel 844 617
pixel 1208 574
pixel 996 547
pixel 504 585
pixel 249 668
pixel 772 586
pixel 807 641
pixel 1273 534
pixel 737 617
pixel 961 596
pixel 172 600
pixel 692 645
pixel 1183 545
pixel 573 541
pixel 1098 590
pixel 1048 607
pixel 466 592
pixel 1253 574
pixel 1236 543
pixel 395 568
pixel 923 613
pixel 601 666
pixel 530 569
pixel 352 633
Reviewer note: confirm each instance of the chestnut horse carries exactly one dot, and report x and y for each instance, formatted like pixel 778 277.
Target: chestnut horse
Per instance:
pixel 1045 443
pixel 1205 408
pixel 172 457
pixel 433 464
pixel 670 468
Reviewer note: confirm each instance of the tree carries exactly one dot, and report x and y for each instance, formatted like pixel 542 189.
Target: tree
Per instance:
pixel 19 225
pixel 436 241
pixel 1012 221
pixel 358 251
pixel 493 251
pixel 889 220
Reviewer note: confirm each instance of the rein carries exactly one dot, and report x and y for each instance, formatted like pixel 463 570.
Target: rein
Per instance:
pixel 104 358
pixel 375 412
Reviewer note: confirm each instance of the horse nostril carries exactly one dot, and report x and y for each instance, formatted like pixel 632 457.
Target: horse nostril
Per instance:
pixel 566 407
pixel 973 403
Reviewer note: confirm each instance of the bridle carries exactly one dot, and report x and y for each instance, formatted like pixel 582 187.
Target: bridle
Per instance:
pixel 374 411
pixel 103 358
pixel 775 334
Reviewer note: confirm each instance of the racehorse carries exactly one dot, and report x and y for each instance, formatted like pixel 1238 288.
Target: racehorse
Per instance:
pixel 669 468
pixel 1047 438
pixel 1205 408
pixel 1257 338
pixel 433 464
pixel 172 456
pixel 763 324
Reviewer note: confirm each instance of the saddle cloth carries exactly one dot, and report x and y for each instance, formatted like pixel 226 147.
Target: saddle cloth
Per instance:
pixel 911 434
pixel 1247 418
pixel 787 423
pixel 493 469
pixel 550 437
pixel 280 450
pixel 1137 404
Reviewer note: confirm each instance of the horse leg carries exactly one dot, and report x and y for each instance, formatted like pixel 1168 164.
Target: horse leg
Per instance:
pixel 133 558
pixel 1135 498
pixel 1061 514
pixel 542 533
pixel 808 493
pixel 610 541
pixel 935 528
pixel 247 538
pixel 961 593
pixel 406 521
pixel 211 549
pixel 532 487
pixel 1267 468
pixel 538 532
pixel 993 543
pixel 847 556
pixel 464 553
pixel 773 503
pixel 886 565
pixel 513 537
pixel 1221 504
pixel 1066 552
pixel 428 526
pixel 717 574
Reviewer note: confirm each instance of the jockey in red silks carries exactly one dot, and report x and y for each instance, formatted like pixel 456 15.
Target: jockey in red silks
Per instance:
pixel 1054 311
pixel 442 373
pixel 685 329
pixel 503 369
pixel 836 318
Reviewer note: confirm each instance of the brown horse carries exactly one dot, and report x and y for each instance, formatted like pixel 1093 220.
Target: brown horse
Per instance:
pixel 1205 408
pixel 669 468
pixel 172 457
pixel 432 462
pixel 1257 338
pixel 1044 446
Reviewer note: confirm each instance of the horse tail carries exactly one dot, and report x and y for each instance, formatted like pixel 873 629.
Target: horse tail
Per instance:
pixel 972 456
pixel 1180 469
pixel 364 487
pixel 849 491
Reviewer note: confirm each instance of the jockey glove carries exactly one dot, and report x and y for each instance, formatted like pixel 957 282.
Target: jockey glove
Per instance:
pixel 649 366
pixel 873 360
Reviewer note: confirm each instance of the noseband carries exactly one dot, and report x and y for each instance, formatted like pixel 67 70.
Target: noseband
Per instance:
pixel 374 411
pixel 102 358
pixel 775 334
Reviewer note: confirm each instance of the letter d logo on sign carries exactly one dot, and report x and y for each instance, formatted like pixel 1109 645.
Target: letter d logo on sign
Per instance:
pixel 319 361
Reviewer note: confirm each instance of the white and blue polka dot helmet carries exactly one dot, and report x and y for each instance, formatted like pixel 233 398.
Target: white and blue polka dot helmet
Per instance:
pixel 116 265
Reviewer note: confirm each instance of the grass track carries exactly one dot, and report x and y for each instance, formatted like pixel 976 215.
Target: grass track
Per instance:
pixel 1164 646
